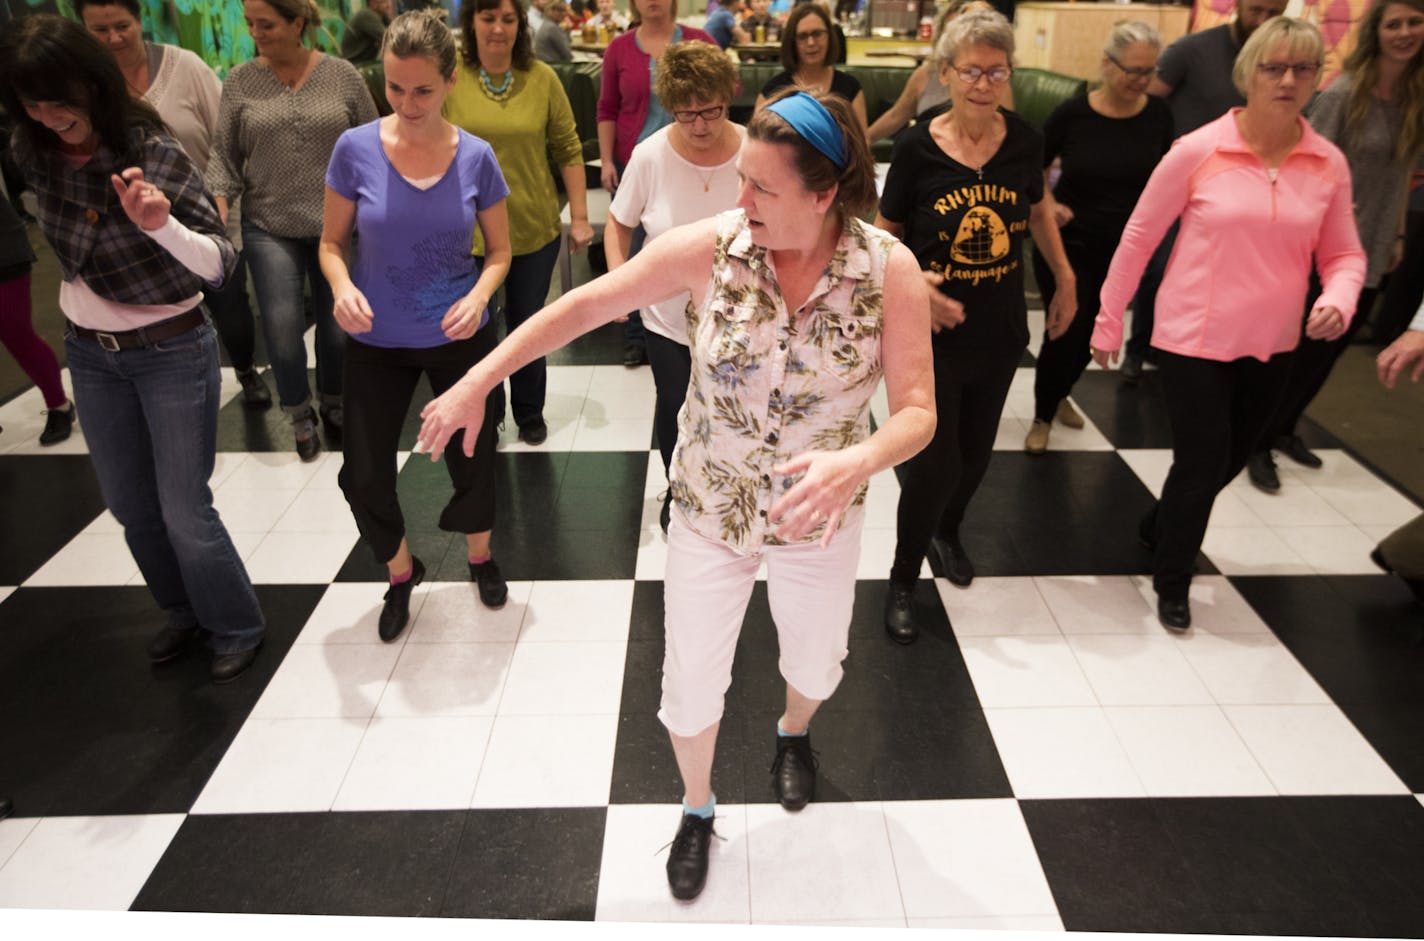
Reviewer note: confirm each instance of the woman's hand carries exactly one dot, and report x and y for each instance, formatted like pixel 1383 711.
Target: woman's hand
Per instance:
pixel 143 203
pixel 1104 358
pixel 1403 353
pixel 460 408
pixel 580 235
pixel 1325 323
pixel 1061 311
pixel 608 176
pixel 945 312
pixel 821 495
pixel 463 318
pixel 352 312
pixel 1062 215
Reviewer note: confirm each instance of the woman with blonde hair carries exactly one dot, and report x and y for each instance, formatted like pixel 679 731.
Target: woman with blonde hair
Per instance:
pixel 1261 197
pixel 280 117
pixel 1374 112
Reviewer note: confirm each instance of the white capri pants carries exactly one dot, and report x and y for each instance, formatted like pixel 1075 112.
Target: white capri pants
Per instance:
pixel 706 588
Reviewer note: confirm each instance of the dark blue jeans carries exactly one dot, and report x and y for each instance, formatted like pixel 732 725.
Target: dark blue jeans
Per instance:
pixel 278 266
pixel 150 417
pixel 526 287
pixel 232 315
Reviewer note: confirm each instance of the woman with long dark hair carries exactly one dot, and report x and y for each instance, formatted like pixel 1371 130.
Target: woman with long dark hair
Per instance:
pixel 138 240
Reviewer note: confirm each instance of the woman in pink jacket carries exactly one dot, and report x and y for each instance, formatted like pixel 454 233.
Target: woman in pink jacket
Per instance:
pixel 1260 196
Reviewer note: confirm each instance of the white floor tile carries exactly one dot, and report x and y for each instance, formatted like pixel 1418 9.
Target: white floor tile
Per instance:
pixel 1249 669
pixel 1334 550
pixel 1187 751
pixel 652 549
pixel 562 429
pixel 1010 434
pixel 1312 750
pixel 86 862
pixel 12 833
pixel 1291 506
pixel 1006 923
pixel 282 766
pixel 447 680
pixel 966 858
pixel 578 611
pixel 328 470
pixel 88 559
pixel 271 470
pixel 1149 464
pixel 1097 604
pixel 594 433
pixel 1059 753
pixel 1217 607
pixel 1253 550
pixel 316 510
pixel 565 390
pixel 252 511
pixel 996 607
pixel 827 862
pixel 416 764
pixel 617 392
pixel 882 500
pixel 548 761
pixel 1025 671
pixel 328 681
pixel 6 591
pixel 632 881
pixel 1138 670
pixel 299 558
pixel 1373 502
pixel 451 613
pixel 564 679
pixel 105 523
pixel 348 613
pixel 877 552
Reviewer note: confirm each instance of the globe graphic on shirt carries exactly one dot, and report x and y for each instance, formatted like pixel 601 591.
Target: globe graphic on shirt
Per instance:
pixel 982 238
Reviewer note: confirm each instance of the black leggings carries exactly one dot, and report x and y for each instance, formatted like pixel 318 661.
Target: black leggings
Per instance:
pixel 937 484
pixel 671 363
pixel 379 385
pixel 1218 412
pixel 1062 361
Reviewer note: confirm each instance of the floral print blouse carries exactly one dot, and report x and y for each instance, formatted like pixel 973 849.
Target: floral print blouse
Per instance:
pixel 769 384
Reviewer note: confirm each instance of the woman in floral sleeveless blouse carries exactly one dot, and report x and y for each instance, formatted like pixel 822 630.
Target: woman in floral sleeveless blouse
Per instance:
pixel 797 310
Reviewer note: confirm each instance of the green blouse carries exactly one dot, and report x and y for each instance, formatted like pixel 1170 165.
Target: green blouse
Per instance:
pixel 524 129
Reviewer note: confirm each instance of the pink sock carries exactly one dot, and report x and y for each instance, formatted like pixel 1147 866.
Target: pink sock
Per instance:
pixel 481 560
pixel 402 579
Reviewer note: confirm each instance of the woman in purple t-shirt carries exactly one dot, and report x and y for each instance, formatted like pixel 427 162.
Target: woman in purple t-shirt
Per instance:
pixel 412 298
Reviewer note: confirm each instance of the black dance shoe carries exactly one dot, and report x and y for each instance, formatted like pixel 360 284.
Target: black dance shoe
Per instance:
pixel 396 613
pixel 229 666
pixel 900 614
pixel 793 772
pixel 1261 468
pixel 1294 448
pixel 953 561
pixel 487 578
pixel 1175 614
pixel 687 862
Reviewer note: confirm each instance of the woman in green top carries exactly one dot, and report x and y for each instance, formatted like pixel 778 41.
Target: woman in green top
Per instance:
pixel 515 102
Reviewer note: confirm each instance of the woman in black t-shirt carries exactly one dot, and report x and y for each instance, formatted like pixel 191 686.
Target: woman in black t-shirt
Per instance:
pixel 1108 144
pixel 809 50
pixel 963 190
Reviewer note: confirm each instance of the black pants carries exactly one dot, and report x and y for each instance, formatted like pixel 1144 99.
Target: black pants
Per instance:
pixel 379 385
pixel 1219 412
pixel 937 484
pixel 1310 366
pixel 1062 361
pixel 671 363
pixel 1144 303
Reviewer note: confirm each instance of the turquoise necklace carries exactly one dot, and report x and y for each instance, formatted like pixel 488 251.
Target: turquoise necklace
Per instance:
pixel 497 93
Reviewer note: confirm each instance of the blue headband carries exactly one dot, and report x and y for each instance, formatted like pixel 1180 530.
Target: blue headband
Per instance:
pixel 809 118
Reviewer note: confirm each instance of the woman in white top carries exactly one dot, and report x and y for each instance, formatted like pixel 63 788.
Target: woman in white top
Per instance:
pixel 186 93
pixel 684 172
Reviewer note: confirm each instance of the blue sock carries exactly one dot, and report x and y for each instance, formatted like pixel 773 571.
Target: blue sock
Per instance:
pixel 782 733
pixel 706 811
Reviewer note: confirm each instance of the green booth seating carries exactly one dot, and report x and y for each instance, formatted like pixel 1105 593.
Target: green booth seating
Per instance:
pixel 1037 92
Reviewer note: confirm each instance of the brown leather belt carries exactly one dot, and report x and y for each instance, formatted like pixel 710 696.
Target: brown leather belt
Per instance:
pixel 143 336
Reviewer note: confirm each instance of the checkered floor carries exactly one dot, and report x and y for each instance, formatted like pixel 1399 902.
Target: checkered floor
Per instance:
pixel 1046 757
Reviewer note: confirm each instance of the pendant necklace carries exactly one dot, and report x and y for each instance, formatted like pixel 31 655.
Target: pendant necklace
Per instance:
pixel 497 93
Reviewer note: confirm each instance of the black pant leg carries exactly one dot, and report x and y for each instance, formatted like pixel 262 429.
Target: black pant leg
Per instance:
pixel 1256 399
pixel 471 508
pixel 981 408
pixel 232 316
pixel 927 478
pixel 671 363
pixel 1061 362
pixel 1310 367
pixel 377 392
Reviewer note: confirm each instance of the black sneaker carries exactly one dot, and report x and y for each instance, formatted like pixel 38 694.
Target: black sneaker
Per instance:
pixel 793 772
pixel 1261 468
pixel 953 561
pixel 333 417
pixel 493 590
pixel 1174 614
pixel 635 355
pixel 59 424
pixel 1294 448
pixel 534 431
pixel 255 394
pixel 687 861
pixel 396 613
pixel 304 433
pixel 900 613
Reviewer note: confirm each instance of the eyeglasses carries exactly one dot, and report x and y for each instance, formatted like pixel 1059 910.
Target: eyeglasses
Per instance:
pixel 1144 72
pixel 998 75
pixel 707 114
pixel 1275 71
pixel 815 35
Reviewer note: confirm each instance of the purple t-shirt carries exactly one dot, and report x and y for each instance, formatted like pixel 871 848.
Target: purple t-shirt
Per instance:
pixel 412 247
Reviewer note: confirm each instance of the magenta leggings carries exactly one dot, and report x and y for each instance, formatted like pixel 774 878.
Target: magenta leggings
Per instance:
pixel 18 335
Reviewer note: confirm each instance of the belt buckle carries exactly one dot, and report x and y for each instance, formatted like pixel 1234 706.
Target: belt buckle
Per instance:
pixel 107 341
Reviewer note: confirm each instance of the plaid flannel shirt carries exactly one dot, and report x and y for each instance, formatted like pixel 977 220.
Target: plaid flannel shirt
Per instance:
pixel 96 241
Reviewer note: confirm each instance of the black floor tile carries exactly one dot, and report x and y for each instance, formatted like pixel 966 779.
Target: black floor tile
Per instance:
pixel 243 429
pixel 93 728
pixel 645 769
pixel 1372 844
pixel 602 346
pixel 528 864
pixel 390 863
pixel 48 498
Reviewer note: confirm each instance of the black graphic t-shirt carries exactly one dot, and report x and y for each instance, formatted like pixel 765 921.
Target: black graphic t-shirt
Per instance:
pixel 969 225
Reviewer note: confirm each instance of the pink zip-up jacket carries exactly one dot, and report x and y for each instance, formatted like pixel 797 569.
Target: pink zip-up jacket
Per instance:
pixel 1237 280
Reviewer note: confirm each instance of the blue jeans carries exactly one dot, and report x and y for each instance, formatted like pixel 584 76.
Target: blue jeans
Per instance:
pixel 278 265
pixel 150 417
pixel 526 288
pixel 232 315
